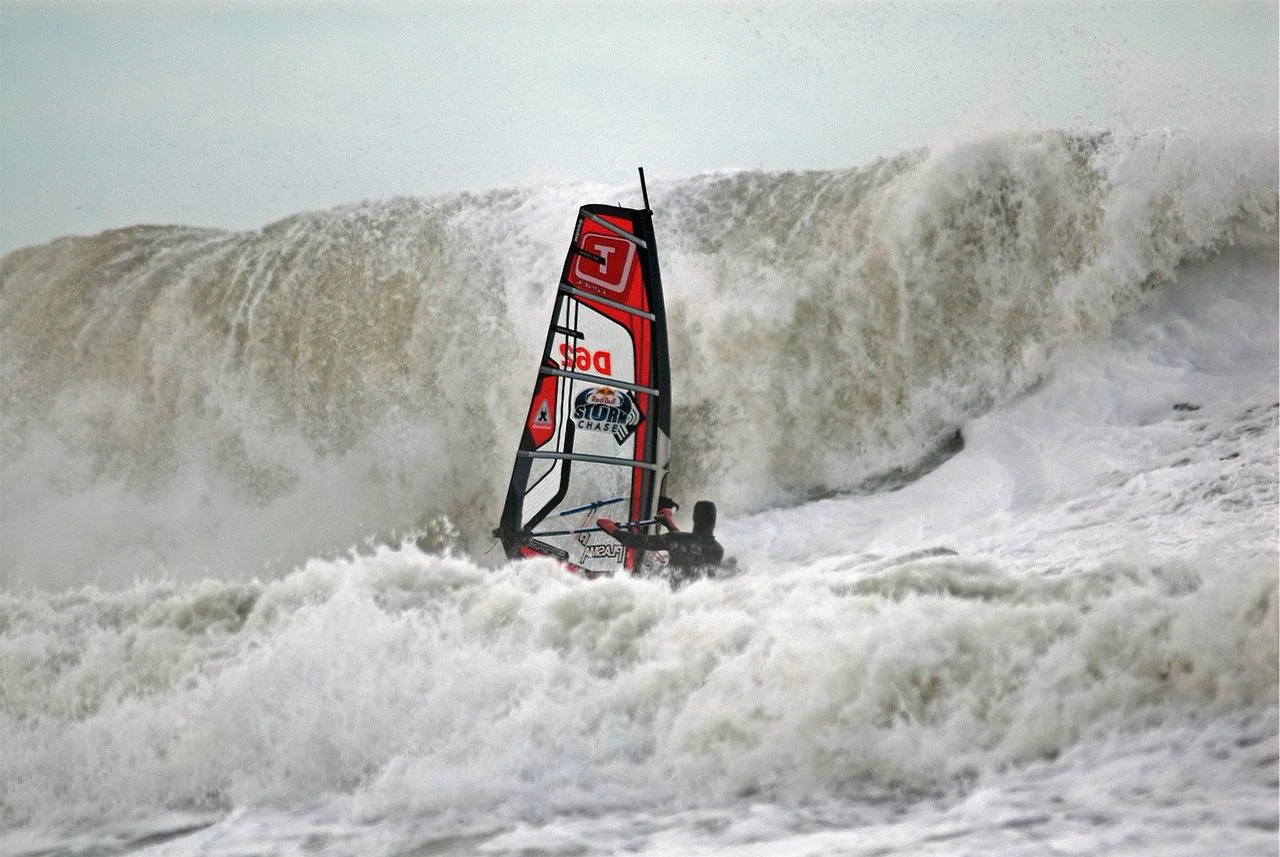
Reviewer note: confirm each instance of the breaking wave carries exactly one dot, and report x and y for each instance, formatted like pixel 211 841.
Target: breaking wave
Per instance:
pixel 189 402
pixel 433 688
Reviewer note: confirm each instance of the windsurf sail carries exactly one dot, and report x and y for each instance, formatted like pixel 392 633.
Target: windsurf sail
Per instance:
pixel 596 440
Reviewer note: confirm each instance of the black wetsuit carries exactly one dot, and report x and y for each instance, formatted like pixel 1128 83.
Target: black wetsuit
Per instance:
pixel 689 555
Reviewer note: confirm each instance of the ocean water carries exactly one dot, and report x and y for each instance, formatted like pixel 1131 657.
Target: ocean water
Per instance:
pixel 994 433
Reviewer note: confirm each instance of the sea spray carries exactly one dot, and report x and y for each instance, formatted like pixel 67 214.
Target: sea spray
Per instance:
pixel 186 402
pixel 427 684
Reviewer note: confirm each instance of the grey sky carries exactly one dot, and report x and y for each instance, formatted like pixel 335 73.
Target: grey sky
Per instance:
pixel 233 114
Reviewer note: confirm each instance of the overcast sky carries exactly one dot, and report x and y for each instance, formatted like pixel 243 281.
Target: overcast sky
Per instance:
pixel 233 114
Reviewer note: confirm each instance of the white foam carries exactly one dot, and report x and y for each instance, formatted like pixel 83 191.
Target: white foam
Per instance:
pixel 1092 666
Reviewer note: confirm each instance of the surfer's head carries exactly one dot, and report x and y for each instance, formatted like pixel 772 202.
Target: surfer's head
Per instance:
pixel 704 516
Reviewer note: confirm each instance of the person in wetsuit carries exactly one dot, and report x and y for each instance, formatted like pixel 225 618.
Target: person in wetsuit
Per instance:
pixel 689 555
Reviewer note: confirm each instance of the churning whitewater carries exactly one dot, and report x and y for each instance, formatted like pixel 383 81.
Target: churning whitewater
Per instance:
pixel 994 433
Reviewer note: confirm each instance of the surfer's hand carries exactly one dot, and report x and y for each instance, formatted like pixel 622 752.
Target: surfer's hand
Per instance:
pixel 607 524
pixel 664 515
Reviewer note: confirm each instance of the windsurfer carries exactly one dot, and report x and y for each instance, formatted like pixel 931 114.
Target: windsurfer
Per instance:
pixel 689 555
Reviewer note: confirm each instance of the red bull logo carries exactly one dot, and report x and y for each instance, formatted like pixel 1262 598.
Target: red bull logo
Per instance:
pixel 608 410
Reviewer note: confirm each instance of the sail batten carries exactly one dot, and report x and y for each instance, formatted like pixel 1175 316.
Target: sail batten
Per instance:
pixel 621 233
pixel 598 379
pixel 597 459
pixel 570 290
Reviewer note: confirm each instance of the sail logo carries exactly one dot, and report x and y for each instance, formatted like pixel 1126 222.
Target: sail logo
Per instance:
pixel 584 359
pixel 541 424
pixel 608 410
pixel 615 257
pixel 606 551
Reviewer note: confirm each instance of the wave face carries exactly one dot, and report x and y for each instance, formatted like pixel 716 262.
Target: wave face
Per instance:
pixel 189 403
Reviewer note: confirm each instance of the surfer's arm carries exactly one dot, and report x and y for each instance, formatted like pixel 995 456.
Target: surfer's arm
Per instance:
pixel 629 539
pixel 664 518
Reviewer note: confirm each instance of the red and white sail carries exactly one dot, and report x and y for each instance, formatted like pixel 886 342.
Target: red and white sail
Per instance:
pixel 596 441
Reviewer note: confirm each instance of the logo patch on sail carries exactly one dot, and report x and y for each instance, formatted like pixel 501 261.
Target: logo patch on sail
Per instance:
pixel 608 551
pixel 616 254
pixel 542 412
pixel 609 410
